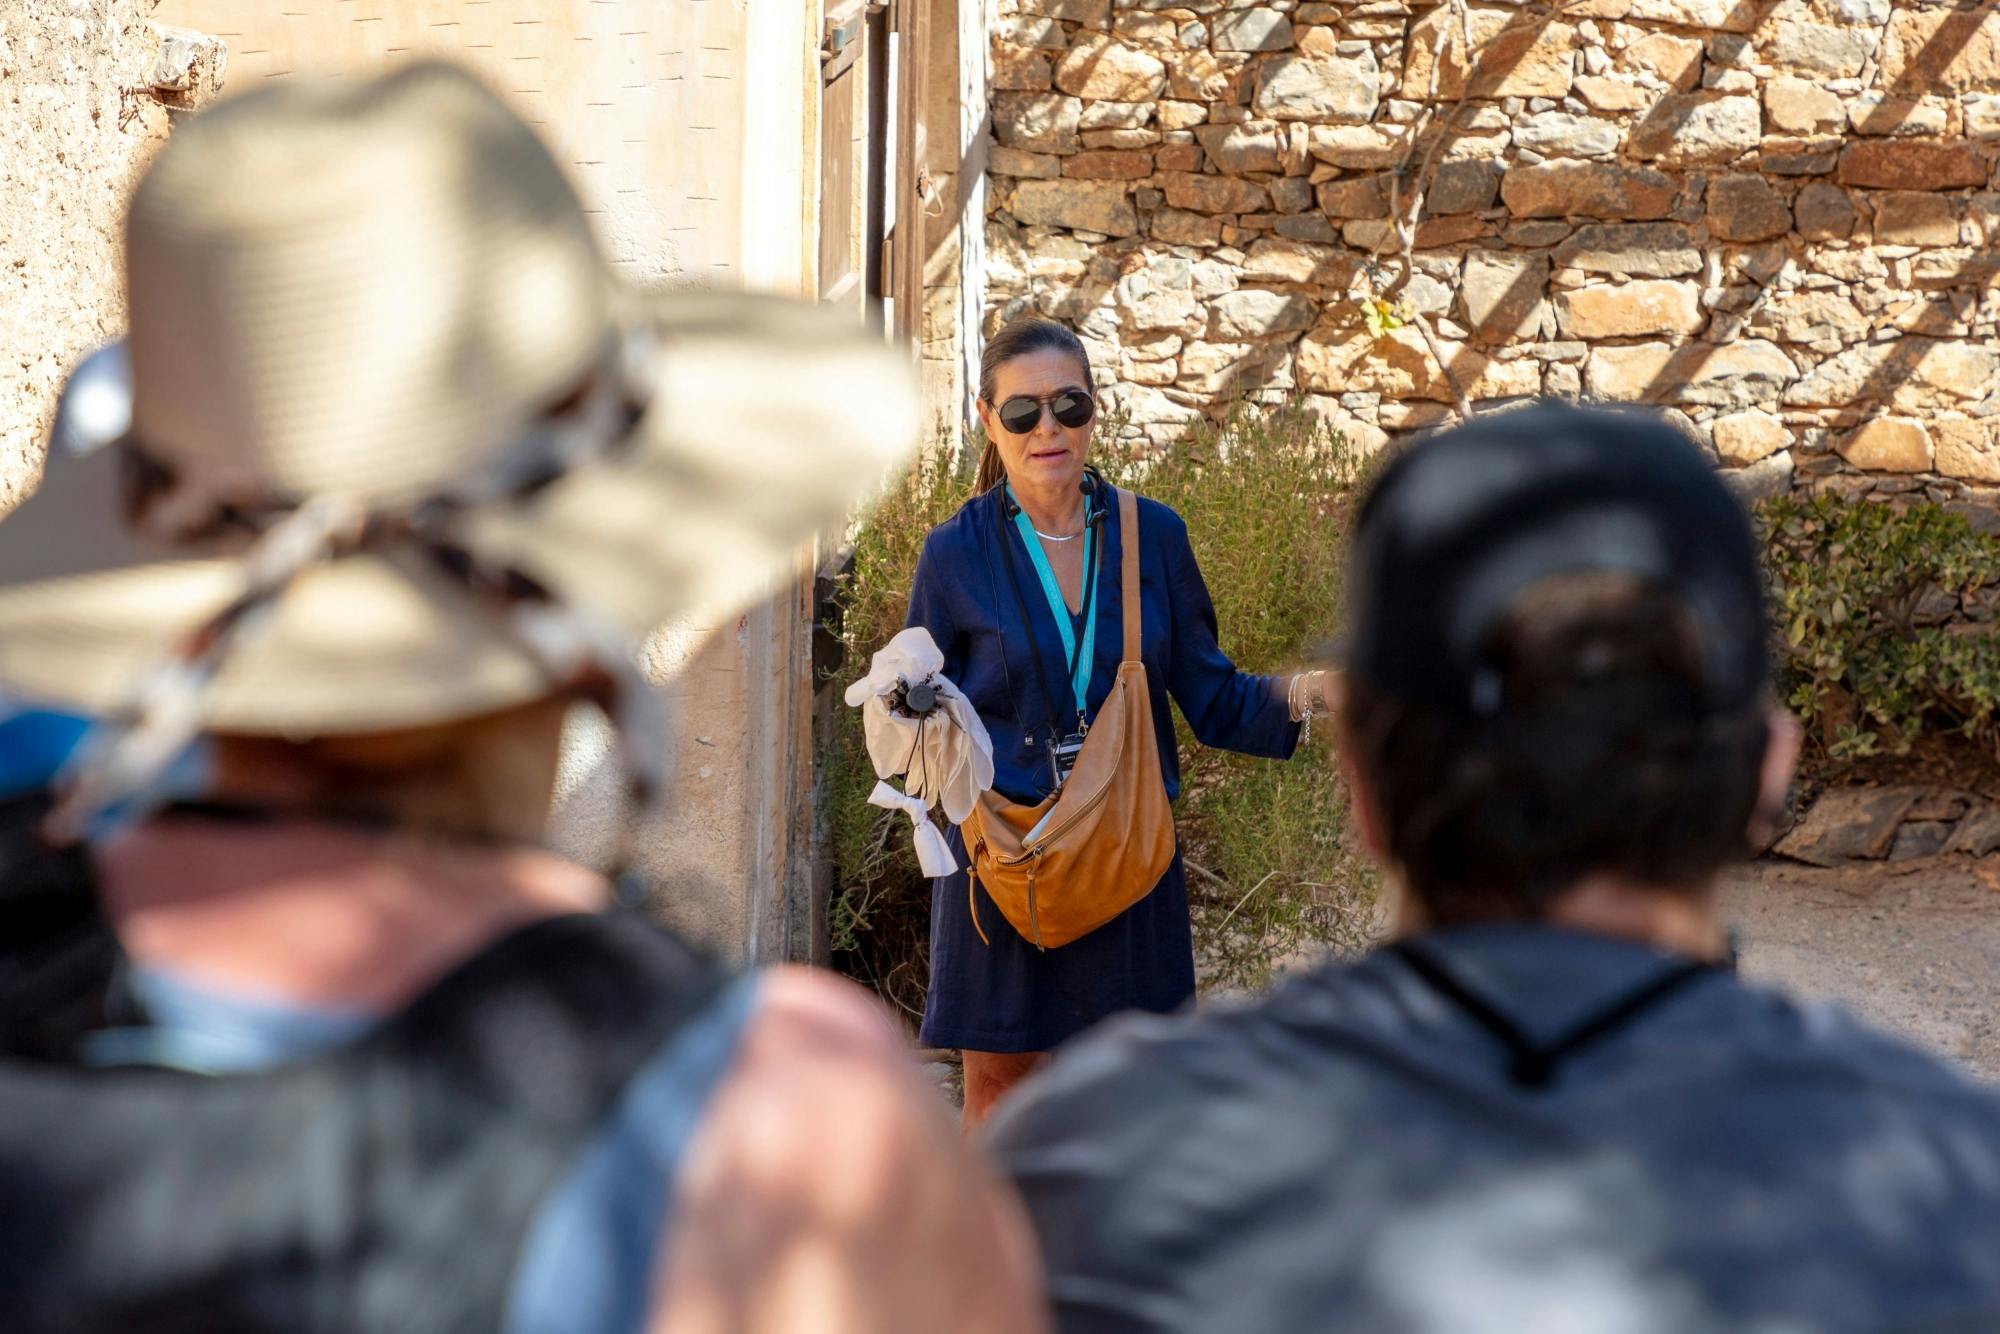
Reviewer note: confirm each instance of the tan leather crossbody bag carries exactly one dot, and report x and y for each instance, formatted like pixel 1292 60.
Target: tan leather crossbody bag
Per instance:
pixel 1107 835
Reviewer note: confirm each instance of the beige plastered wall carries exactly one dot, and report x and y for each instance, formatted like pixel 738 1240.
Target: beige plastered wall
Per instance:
pixel 690 128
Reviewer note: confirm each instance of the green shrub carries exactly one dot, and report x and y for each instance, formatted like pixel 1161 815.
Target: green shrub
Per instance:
pixel 1861 594
pixel 1266 498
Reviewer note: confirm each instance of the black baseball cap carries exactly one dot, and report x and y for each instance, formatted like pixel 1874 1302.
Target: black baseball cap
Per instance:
pixel 1464 522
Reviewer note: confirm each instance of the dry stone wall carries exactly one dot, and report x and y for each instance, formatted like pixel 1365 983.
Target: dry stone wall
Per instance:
pixel 1777 218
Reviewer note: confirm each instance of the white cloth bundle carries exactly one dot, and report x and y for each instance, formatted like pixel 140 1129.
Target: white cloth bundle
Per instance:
pixel 944 757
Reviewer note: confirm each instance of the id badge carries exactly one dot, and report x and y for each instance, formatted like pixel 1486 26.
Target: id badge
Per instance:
pixel 1062 756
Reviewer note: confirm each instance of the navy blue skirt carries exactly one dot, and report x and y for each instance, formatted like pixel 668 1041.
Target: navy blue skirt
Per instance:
pixel 1008 996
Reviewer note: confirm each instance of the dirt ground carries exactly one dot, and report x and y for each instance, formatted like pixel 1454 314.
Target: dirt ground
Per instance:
pixel 1913 946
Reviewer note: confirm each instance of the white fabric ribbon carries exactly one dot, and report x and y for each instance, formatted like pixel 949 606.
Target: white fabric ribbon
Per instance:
pixel 933 853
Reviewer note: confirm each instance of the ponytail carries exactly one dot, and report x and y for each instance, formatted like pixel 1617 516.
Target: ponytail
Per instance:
pixel 991 472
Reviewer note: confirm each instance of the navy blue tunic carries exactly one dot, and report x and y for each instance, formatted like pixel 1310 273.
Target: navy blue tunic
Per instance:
pixel 1008 996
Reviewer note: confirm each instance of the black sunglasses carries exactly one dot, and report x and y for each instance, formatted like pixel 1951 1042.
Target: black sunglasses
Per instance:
pixel 1072 408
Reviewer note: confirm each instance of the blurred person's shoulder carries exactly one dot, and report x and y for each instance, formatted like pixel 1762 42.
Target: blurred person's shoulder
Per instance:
pixel 828 1176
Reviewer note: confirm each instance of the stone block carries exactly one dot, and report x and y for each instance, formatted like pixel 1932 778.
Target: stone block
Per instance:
pixel 1307 88
pixel 1611 94
pixel 1021 69
pixel 1205 193
pixel 1561 134
pixel 1731 375
pixel 1674 61
pixel 1942 49
pixel 1915 217
pixel 1519 56
pixel 1899 117
pixel 1887 444
pixel 1912 374
pixel 1463 185
pixel 1589 189
pixel 1205 76
pixel 1180 115
pixel 1830 50
pixel 1883 164
pixel 1249 146
pixel 1746 208
pixel 1341 357
pixel 1251 30
pixel 1746 437
pixel 1365 147
pixel 1698 129
pixel 1848 824
pixel 1501 294
pixel 1110 71
pixel 1279 260
pixel 1159 296
pixel 1178 157
pixel 1034 30
pixel 1359 197
pixel 1115 116
pixel 1291 194
pixel 1754 482
pixel 1799 157
pixel 1718 15
pixel 1639 249
pixel 1119 139
pixel 1109 165
pixel 1253 313
pixel 1037 122
pixel 1219 370
pixel 1088 13
pixel 1018 162
pixel 1091 206
pixel 1966 449
pixel 1179 227
pixel 1810 317
pixel 1801 106
pixel 1823 212
pixel 1982 116
pixel 1635 309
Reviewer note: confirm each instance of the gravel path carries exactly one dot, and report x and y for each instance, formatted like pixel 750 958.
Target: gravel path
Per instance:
pixel 1914 946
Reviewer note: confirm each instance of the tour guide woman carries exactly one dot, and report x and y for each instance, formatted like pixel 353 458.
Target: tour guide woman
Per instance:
pixel 1021 589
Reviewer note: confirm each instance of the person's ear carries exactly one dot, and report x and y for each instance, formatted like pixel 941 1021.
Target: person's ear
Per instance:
pixel 986 418
pixel 1361 805
pixel 1783 739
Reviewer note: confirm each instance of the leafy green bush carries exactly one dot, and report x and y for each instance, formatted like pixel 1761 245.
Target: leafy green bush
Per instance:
pixel 1266 498
pixel 1875 610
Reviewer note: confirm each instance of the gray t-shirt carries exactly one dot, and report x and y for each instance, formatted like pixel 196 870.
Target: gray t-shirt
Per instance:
pixel 1355 1153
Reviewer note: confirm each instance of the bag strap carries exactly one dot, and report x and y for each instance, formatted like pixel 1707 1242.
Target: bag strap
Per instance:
pixel 1128 539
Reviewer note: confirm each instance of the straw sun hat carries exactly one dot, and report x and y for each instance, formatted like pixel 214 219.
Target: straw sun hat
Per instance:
pixel 399 449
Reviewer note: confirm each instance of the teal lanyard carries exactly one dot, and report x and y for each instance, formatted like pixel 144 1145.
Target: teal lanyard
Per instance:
pixel 1079 662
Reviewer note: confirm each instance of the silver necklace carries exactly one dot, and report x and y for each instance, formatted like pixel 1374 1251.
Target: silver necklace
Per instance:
pixel 1051 537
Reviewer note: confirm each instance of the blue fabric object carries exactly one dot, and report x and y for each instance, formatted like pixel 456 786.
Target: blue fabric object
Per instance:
pixel 587 1265
pixel 1356 1143
pixel 1077 662
pixel 1009 996
pixel 34 746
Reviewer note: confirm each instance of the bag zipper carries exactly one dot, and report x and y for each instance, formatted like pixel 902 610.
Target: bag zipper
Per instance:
pixel 1042 843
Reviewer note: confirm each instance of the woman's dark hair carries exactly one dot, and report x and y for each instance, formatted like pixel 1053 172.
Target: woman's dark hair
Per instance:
pixel 1018 338
pixel 1599 757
